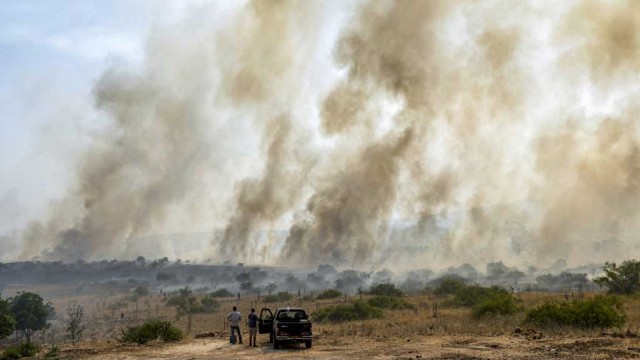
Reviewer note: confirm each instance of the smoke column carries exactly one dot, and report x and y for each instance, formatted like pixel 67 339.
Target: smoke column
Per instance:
pixel 382 133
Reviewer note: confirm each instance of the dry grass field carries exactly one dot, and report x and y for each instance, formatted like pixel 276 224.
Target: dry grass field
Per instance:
pixel 403 334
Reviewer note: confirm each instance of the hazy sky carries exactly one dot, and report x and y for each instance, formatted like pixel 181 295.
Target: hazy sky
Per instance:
pixel 51 53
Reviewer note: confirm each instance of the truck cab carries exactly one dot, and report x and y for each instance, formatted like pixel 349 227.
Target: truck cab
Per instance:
pixel 286 325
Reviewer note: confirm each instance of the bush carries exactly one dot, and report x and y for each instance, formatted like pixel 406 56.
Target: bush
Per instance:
pixel 7 322
pixel 390 302
pixel 20 351
pixel 209 305
pixel 601 311
pixel 11 353
pixel 386 289
pixel 623 279
pixel 329 294
pixel 279 297
pixel 357 311
pixel 141 291
pixel 221 293
pixel 53 353
pixel 473 295
pixel 448 285
pixel 151 330
pixel 501 303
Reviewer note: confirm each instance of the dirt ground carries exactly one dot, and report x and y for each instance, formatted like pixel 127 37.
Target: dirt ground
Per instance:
pixel 509 346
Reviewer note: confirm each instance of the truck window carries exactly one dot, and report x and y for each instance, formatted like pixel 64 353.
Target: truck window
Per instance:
pixel 292 315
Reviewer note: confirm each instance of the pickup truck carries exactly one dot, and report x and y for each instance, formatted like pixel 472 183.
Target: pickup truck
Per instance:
pixel 285 325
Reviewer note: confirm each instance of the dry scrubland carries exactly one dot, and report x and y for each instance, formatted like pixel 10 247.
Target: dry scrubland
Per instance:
pixel 401 334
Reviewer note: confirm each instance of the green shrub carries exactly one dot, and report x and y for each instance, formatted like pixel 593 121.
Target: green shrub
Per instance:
pixel 473 295
pixel 221 293
pixel 500 303
pixel 209 305
pixel 385 289
pixel 279 297
pixel 623 279
pixel 151 330
pixel 329 294
pixel 53 353
pixel 601 311
pixel 11 353
pixel 349 312
pixel 28 349
pixel 284 296
pixel 271 298
pixel 20 351
pixel 390 302
pixel 449 285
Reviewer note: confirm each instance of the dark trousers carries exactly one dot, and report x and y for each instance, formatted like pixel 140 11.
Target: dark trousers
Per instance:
pixel 237 329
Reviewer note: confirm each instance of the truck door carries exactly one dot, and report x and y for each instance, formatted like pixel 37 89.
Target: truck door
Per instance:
pixel 265 323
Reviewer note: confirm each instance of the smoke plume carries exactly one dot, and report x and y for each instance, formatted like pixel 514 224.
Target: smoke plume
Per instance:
pixel 401 134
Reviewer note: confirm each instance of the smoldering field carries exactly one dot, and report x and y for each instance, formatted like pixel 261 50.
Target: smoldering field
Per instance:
pixel 370 134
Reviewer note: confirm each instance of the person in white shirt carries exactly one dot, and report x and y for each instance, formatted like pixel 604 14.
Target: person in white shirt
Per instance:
pixel 234 318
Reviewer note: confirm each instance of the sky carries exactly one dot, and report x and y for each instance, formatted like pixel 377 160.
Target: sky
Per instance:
pixel 51 55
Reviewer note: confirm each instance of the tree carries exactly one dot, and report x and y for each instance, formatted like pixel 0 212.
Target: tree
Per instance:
pixel 165 276
pixel 387 289
pixel 30 313
pixel 184 301
pixel 623 279
pixel 75 328
pixel 7 322
pixel 141 291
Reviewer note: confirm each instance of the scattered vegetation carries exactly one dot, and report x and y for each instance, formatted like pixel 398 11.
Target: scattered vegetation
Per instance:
pixel 152 330
pixel 19 351
pixel 562 280
pixel 279 297
pixel 221 293
pixel 7 322
pixel 117 305
pixel 349 312
pixel 390 303
pixel 53 353
pixel 75 328
pixel 484 300
pixel 385 289
pixel 473 295
pixel 448 285
pixel 208 305
pixel 499 303
pixel 598 312
pixel 623 279
pixel 329 294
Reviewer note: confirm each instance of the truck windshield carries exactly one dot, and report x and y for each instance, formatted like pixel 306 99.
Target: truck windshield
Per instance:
pixel 292 315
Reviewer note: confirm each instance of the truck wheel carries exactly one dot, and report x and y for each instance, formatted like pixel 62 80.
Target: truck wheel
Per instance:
pixel 308 344
pixel 271 336
pixel 276 345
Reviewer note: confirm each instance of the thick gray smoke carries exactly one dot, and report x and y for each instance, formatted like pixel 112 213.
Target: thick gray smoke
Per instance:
pixel 394 133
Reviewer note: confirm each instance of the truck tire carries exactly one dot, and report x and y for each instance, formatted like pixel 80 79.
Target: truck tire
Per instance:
pixel 271 336
pixel 276 344
pixel 308 344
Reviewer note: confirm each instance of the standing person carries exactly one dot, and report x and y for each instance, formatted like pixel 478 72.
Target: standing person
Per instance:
pixel 253 327
pixel 234 318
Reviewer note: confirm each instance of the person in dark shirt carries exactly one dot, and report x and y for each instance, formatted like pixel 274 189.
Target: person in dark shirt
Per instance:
pixel 252 321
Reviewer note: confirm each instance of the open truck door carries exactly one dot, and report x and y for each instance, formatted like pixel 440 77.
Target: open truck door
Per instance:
pixel 265 322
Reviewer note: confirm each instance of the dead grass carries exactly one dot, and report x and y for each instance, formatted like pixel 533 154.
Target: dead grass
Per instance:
pixel 105 323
